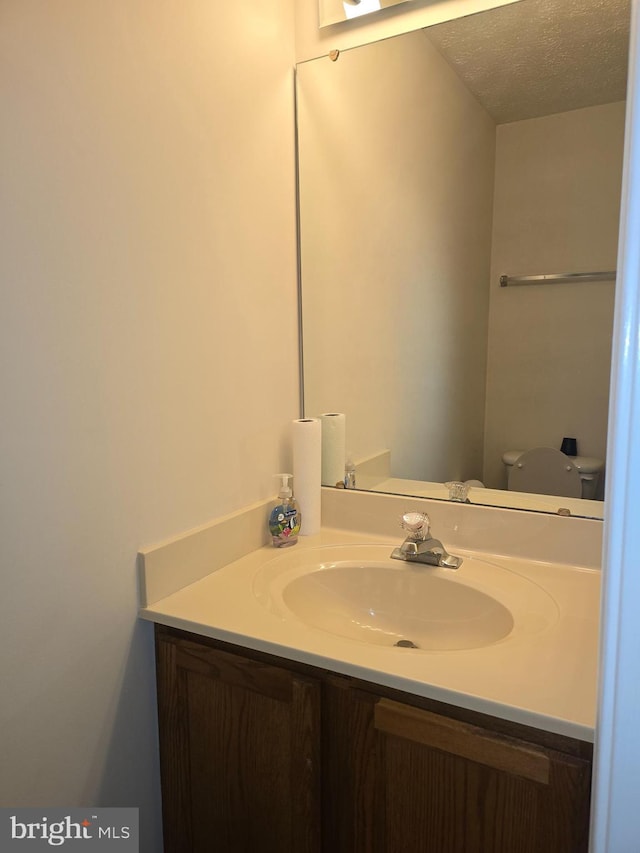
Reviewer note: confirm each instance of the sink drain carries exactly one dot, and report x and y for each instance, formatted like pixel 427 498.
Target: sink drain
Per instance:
pixel 406 644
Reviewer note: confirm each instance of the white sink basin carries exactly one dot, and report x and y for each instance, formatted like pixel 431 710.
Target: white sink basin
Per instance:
pixel 359 593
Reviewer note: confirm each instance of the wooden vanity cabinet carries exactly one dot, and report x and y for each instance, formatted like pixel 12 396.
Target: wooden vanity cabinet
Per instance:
pixel 239 752
pixel 401 778
pixel 262 754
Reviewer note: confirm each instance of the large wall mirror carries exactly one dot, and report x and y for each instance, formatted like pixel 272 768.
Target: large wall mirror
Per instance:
pixel 432 164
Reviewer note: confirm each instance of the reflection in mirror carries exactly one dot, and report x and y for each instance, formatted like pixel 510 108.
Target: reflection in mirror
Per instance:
pixel 432 164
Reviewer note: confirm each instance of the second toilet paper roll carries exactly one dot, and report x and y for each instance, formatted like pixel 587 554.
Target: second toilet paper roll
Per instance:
pixel 333 447
pixel 307 469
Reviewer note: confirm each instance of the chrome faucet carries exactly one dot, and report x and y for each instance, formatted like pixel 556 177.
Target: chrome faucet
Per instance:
pixel 420 546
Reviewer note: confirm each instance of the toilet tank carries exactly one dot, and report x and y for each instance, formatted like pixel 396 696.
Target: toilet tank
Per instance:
pixel 590 468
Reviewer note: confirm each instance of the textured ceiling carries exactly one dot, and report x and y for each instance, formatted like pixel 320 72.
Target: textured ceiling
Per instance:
pixel 537 57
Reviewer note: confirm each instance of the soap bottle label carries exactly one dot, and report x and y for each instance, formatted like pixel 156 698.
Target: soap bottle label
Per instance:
pixel 284 525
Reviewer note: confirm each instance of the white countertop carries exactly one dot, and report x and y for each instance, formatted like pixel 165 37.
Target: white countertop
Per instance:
pixel 548 680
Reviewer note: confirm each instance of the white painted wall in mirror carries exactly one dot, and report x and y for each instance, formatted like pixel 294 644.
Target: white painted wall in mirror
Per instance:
pixel 395 335
pixel 556 209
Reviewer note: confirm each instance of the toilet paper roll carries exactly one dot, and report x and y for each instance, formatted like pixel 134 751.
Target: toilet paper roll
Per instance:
pixel 307 472
pixel 333 447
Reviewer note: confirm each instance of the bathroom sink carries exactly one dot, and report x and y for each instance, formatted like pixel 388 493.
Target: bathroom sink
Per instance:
pixel 359 593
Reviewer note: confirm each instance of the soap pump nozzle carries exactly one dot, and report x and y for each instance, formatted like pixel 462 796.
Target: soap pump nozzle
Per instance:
pixel 285 488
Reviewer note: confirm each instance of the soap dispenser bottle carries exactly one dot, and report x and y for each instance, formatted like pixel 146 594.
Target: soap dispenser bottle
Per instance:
pixel 284 518
pixel 349 473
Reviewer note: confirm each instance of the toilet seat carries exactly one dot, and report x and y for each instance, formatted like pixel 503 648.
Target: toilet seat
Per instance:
pixel 545 471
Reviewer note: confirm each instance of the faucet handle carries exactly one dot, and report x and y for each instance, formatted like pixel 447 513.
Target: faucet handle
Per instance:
pixel 416 524
pixel 458 491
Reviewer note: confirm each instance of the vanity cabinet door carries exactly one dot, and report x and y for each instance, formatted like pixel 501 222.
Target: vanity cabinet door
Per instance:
pixel 240 750
pixel 450 787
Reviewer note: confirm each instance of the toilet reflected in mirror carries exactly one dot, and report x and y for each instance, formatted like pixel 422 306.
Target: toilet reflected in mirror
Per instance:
pixel 544 470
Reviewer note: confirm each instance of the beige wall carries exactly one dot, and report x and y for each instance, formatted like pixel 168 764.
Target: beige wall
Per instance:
pixel 148 349
pixel 556 209
pixel 396 171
